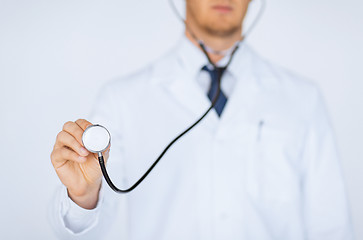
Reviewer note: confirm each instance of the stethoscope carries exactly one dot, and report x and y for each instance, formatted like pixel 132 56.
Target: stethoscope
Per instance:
pixel 97 138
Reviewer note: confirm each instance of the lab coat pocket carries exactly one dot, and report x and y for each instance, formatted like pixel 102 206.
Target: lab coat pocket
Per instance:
pixel 271 169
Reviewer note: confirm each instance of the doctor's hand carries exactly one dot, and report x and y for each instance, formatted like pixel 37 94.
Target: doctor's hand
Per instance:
pixel 77 168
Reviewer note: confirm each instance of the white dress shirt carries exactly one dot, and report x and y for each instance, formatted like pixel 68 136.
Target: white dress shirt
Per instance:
pixel 266 169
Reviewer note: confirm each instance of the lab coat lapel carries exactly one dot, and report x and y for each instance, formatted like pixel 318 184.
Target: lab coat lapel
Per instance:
pixel 241 103
pixel 188 95
pixel 181 79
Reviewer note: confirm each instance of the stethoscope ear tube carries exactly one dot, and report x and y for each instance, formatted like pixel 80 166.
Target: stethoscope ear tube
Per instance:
pixel 107 178
pixel 220 73
pixel 100 156
pixel 102 162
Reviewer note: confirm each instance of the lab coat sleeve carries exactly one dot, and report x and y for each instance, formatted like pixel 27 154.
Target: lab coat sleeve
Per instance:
pixel 69 220
pixel 326 210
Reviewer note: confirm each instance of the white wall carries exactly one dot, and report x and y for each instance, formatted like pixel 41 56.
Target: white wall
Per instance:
pixel 54 55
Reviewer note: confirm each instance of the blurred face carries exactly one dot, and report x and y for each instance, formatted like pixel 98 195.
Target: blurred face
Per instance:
pixel 220 18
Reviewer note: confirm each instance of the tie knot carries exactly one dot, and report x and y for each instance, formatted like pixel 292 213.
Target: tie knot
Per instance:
pixel 214 70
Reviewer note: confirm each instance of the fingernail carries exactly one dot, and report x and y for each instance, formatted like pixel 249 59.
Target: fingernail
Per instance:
pixel 82 159
pixel 84 151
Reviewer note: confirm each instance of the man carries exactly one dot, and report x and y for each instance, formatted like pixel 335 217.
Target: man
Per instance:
pixel 262 166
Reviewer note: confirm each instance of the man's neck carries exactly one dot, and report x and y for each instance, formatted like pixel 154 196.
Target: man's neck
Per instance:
pixel 215 43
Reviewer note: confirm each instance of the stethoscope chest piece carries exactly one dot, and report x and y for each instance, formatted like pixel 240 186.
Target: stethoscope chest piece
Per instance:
pixel 96 138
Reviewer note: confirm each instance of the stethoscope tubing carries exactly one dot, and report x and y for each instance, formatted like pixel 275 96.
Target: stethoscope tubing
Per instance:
pixel 219 77
pixel 101 159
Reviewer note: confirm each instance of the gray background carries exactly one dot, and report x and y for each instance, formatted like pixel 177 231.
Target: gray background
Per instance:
pixel 54 56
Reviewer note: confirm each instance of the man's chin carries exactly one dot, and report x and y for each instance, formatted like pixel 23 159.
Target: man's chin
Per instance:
pixel 222 31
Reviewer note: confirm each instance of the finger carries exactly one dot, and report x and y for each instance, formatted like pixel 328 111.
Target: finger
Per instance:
pixel 66 154
pixel 75 130
pixel 83 123
pixel 66 139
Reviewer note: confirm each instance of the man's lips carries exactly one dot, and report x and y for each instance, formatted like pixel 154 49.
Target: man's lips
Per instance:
pixel 222 9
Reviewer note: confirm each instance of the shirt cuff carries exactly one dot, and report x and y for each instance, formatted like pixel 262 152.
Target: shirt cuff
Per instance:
pixel 78 220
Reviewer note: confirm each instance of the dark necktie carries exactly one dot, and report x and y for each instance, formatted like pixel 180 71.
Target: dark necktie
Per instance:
pixel 222 99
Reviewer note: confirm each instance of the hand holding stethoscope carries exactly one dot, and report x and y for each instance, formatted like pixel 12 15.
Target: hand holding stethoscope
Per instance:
pixel 78 168
pixel 96 139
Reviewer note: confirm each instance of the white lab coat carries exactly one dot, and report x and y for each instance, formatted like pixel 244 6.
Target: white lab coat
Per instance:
pixel 267 169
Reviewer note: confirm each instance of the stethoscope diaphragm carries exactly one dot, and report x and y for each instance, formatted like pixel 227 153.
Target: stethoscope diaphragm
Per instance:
pixel 96 138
